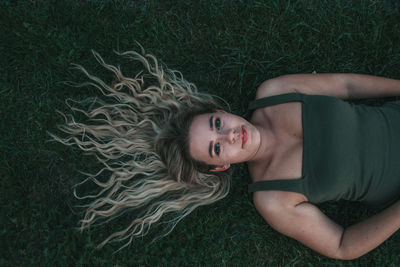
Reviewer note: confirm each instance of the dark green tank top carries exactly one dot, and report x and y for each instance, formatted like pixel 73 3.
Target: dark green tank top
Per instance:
pixel 350 152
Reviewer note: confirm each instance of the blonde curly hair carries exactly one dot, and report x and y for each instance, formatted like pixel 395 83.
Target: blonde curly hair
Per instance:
pixel 139 133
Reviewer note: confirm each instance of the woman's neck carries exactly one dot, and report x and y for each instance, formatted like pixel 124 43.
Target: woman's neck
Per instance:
pixel 267 144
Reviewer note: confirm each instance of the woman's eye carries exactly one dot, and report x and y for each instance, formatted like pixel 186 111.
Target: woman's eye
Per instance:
pixel 217 148
pixel 218 124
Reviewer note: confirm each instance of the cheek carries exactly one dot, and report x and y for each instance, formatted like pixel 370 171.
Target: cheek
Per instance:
pixel 232 152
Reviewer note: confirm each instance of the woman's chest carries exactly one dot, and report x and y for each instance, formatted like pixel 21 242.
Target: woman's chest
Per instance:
pixel 286 158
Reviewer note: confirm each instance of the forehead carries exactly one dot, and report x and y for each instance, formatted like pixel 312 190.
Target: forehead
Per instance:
pixel 200 136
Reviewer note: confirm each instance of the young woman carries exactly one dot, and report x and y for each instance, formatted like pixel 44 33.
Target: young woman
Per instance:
pixel 169 149
pixel 304 145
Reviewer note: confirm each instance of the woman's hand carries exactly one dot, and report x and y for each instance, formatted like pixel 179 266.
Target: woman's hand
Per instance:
pixel 307 224
pixel 345 86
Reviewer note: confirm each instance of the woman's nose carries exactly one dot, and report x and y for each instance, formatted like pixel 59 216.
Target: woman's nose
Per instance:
pixel 232 136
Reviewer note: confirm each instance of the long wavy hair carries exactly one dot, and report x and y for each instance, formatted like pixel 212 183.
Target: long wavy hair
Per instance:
pixel 138 131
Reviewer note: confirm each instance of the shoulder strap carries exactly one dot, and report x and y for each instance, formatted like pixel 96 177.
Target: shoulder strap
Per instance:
pixel 275 100
pixel 293 185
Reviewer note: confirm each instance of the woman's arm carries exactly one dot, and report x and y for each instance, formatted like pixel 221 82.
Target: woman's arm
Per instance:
pixel 345 86
pixel 307 224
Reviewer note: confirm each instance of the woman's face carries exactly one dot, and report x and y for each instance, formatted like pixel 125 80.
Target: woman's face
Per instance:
pixel 222 138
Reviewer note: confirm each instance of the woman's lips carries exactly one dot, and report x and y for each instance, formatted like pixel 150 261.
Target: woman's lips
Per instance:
pixel 244 136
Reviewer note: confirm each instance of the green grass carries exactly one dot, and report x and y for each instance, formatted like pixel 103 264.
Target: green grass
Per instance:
pixel 227 48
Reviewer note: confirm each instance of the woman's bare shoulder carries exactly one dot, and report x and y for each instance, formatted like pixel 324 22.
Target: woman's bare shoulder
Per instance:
pixel 273 200
pixel 274 86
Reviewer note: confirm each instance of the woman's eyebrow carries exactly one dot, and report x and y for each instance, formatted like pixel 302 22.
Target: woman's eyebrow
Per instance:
pixel 211 142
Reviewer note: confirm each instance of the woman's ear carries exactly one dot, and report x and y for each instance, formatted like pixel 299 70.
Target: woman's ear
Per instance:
pixel 221 168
